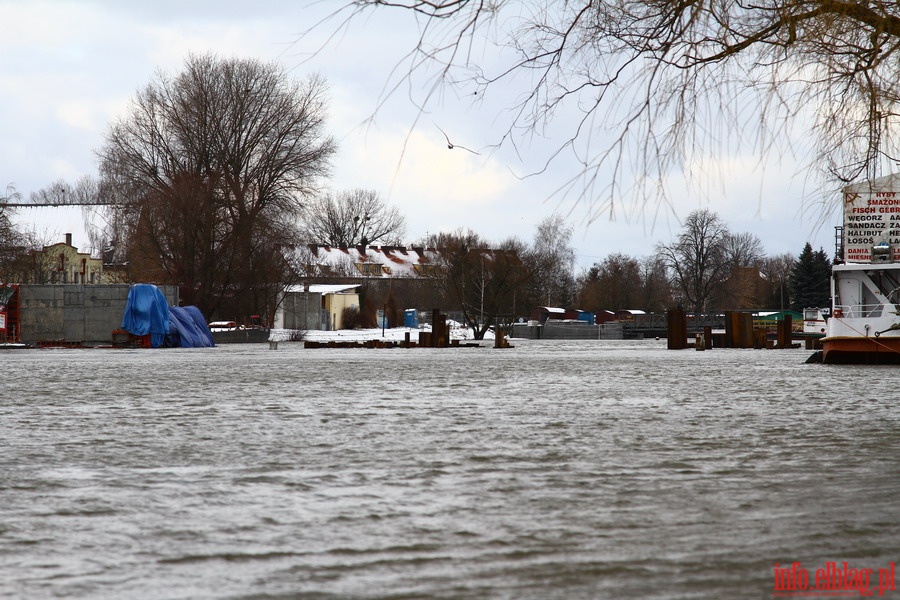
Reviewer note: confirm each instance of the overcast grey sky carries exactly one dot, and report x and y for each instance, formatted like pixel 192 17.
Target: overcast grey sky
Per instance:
pixel 69 68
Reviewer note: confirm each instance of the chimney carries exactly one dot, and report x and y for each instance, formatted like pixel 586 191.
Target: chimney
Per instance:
pixel 68 239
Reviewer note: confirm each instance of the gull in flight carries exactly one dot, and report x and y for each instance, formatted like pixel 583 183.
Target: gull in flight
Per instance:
pixel 450 144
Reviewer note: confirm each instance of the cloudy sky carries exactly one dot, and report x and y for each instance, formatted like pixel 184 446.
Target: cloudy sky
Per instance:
pixel 69 68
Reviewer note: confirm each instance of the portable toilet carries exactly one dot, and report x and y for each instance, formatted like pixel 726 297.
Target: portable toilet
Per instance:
pixel 588 317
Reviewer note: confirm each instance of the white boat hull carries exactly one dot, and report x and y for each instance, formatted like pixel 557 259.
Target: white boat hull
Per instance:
pixel 865 324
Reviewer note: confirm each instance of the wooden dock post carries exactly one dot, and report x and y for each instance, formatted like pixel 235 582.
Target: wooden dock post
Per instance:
pixel 785 332
pixel 676 329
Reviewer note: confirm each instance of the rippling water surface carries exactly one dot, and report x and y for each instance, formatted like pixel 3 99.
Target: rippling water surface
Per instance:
pixel 549 470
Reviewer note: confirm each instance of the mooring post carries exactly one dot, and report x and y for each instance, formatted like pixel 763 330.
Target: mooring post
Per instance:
pixel 676 329
pixel 435 328
pixel 730 333
pixel 786 331
pixel 444 339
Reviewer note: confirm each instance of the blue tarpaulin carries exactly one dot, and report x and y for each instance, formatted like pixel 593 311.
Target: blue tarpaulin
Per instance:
pixel 148 313
pixel 188 328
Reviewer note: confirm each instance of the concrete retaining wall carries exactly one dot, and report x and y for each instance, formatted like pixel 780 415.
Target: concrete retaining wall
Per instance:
pixel 75 313
pixel 612 331
pixel 568 330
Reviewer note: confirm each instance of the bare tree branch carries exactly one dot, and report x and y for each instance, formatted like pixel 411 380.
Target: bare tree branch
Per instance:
pixel 660 84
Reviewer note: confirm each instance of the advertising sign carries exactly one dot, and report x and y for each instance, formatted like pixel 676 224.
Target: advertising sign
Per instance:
pixel 871 224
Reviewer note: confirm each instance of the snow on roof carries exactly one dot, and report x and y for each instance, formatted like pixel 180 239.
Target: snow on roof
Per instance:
pixel 323 288
pixel 331 288
pixel 395 261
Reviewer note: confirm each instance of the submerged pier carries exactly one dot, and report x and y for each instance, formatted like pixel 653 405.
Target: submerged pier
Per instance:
pixel 739 333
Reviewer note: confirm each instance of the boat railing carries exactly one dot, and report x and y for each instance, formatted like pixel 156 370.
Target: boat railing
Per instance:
pixel 859 311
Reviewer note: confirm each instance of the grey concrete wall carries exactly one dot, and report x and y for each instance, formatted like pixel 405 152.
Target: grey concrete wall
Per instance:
pixel 560 330
pixel 76 313
pixel 612 331
pixel 570 330
pixel 526 331
pixel 302 310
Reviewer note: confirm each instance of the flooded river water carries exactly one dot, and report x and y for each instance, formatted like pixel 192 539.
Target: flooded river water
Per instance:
pixel 550 470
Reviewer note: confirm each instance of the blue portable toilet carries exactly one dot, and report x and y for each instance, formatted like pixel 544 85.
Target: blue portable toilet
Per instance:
pixel 586 316
pixel 411 318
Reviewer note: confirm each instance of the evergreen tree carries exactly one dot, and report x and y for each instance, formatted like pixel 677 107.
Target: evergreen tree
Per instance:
pixel 810 280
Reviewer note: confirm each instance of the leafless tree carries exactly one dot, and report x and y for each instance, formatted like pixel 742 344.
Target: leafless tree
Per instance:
pixel 551 259
pixel 85 192
pixel 656 285
pixel 697 258
pixel 15 245
pixel 480 279
pixel 743 250
pixel 11 196
pixel 350 218
pixel 670 82
pixel 612 284
pixel 777 270
pixel 620 281
pixel 209 171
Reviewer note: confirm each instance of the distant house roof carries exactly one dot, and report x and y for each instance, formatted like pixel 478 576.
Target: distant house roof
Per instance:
pixel 335 288
pixel 374 261
pixel 324 288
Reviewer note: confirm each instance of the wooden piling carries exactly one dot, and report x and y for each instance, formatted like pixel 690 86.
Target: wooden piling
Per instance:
pixel 500 340
pixel 443 340
pixel 676 329
pixel 759 338
pixel 785 332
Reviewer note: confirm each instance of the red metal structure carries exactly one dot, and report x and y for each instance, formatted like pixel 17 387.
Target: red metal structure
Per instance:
pixel 9 313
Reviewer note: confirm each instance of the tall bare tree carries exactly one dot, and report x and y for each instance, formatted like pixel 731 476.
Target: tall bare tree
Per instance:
pixel 656 285
pixel 697 258
pixel 666 83
pixel 551 259
pixel 350 218
pixel 209 171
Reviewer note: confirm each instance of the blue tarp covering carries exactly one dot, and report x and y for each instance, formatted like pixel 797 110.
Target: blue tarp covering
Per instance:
pixel 188 328
pixel 148 312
